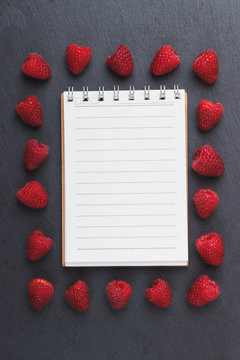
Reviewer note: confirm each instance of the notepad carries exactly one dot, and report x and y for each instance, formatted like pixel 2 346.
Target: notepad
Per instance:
pixel 124 177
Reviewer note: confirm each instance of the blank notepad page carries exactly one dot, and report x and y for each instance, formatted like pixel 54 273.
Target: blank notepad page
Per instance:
pixel 124 180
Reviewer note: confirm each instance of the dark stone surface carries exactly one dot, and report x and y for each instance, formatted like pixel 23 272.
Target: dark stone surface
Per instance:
pixel 140 331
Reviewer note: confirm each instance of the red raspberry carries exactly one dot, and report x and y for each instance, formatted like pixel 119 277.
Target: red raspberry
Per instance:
pixel 208 114
pixel 210 247
pixel 35 154
pixel 40 293
pixel 32 194
pixel 121 61
pixel 36 67
pixel 78 57
pixel 118 293
pixel 159 294
pixel 206 66
pixel 203 291
pixel 38 245
pixel 165 60
pixel 208 162
pixel 30 110
pixel 77 296
pixel 205 202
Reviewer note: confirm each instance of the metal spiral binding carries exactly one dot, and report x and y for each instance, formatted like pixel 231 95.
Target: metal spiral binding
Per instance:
pixel 162 95
pixel 101 93
pixel 116 93
pixel 85 93
pixel 147 92
pixel 70 94
pixel 131 93
pixel 177 94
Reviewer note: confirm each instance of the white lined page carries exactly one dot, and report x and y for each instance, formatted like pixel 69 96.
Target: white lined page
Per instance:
pixel 125 180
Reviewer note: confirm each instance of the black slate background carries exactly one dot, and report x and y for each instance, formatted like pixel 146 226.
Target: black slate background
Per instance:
pixel 140 331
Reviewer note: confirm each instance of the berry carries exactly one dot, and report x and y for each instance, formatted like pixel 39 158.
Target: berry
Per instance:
pixel 118 293
pixel 208 162
pixel 78 57
pixel 205 202
pixel 206 66
pixel 165 60
pixel 40 293
pixel 203 291
pixel 159 294
pixel 35 154
pixel 77 296
pixel 38 245
pixel 208 114
pixel 210 247
pixel 121 61
pixel 33 195
pixel 30 110
pixel 36 67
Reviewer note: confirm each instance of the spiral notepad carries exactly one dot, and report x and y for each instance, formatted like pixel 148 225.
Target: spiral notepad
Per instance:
pixel 124 177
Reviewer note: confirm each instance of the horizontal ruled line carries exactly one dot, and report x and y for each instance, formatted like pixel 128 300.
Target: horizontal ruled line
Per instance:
pixel 125 103
pixel 124 171
pixel 122 215
pixel 125 237
pixel 122 226
pixel 131 248
pixel 151 138
pixel 125 127
pixel 125 117
pixel 127 182
pixel 173 203
pixel 129 193
pixel 153 149
pixel 122 160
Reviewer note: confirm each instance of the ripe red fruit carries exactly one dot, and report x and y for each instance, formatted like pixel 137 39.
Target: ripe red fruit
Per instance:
pixel 40 292
pixel 30 110
pixel 36 67
pixel 208 114
pixel 159 294
pixel 118 293
pixel 77 296
pixel 165 60
pixel 210 247
pixel 206 66
pixel 78 57
pixel 203 291
pixel 35 154
pixel 121 61
pixel 207 161
pixel 205 202
pixel 38 245
pixel 33 195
